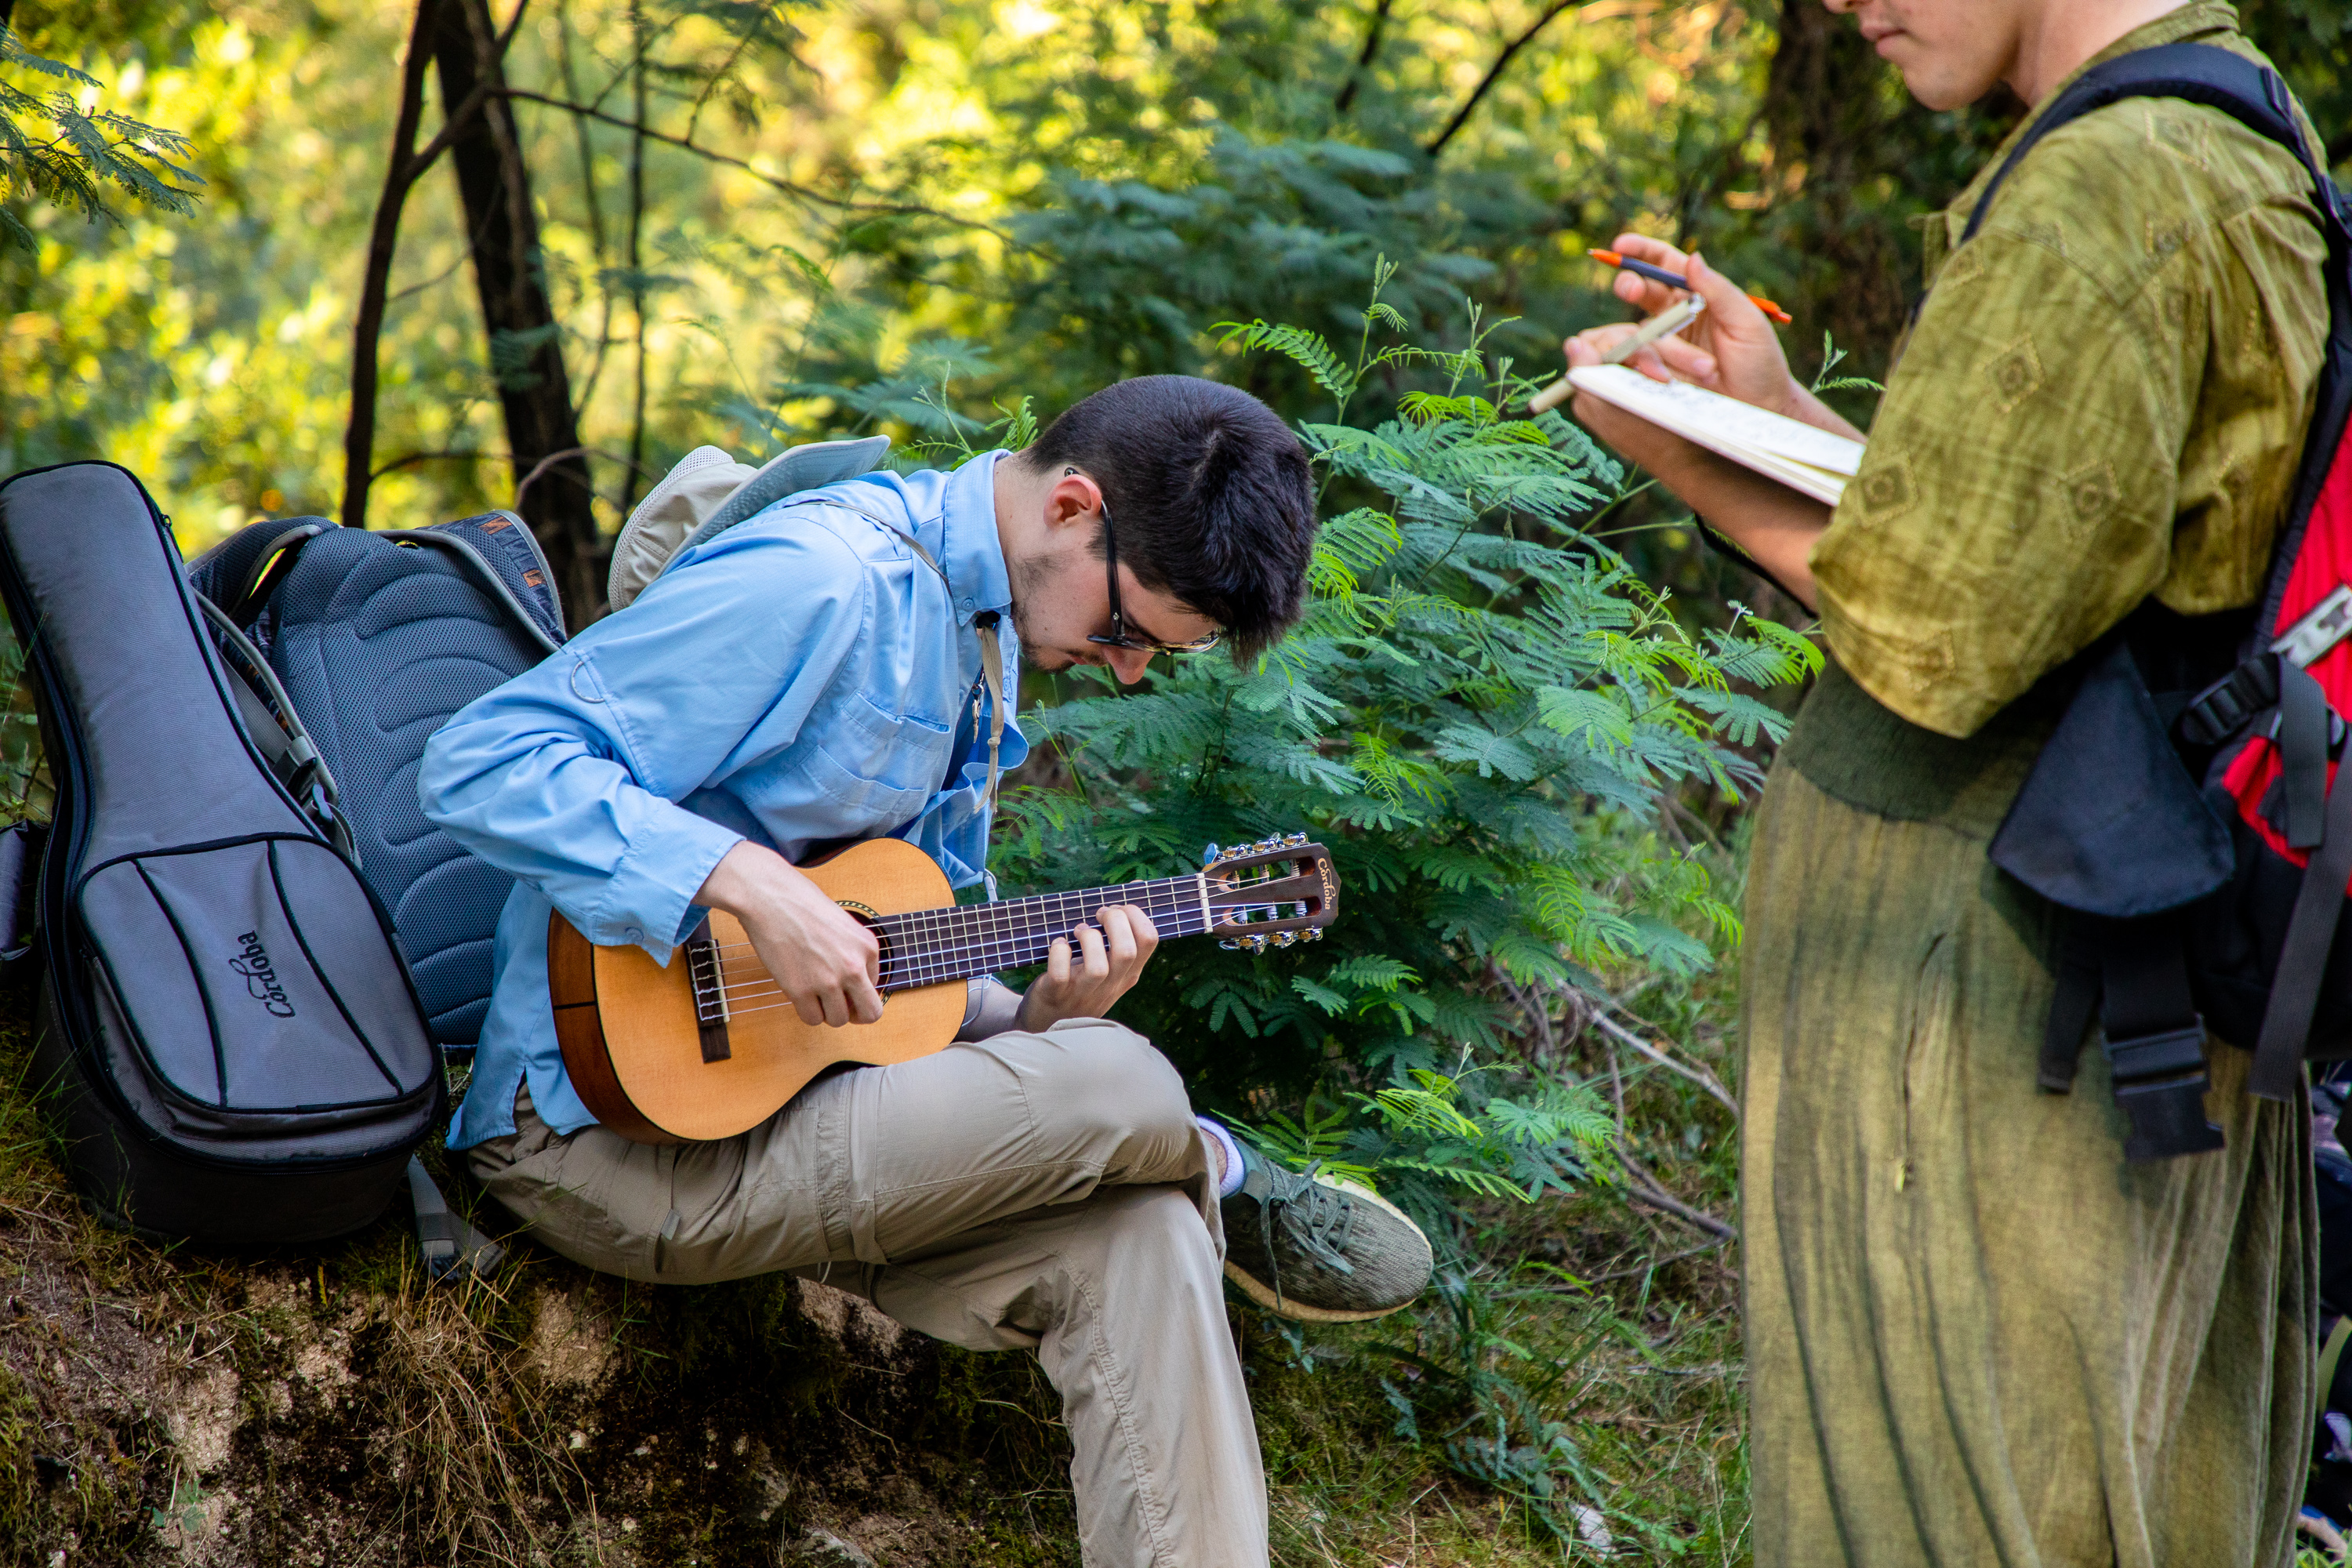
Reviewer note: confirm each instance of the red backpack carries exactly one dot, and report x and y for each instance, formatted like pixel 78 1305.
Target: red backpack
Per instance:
pixel 2187 825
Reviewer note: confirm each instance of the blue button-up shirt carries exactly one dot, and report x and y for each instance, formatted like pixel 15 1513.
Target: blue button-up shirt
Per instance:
pixel 794 679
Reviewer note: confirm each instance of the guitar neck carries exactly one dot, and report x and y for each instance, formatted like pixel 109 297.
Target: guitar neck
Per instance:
pixel 927 946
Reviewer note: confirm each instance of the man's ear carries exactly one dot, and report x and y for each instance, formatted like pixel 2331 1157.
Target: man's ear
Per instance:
pixel 1075 502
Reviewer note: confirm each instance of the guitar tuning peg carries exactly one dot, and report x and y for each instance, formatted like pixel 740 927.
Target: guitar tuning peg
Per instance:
pixel 1212 854
pixel 1296 839
pixel 1230 945
pixel 1285 938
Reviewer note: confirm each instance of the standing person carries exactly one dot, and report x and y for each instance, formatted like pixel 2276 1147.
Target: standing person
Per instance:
pixel 1976 1334
pixel 814 674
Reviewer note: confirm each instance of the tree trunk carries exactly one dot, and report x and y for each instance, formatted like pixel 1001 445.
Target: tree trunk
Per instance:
pixel 1826 111
pixel 553 491
pixel 383 239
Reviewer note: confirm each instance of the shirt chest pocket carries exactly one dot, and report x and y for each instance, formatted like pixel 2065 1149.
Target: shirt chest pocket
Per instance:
pixel 876 766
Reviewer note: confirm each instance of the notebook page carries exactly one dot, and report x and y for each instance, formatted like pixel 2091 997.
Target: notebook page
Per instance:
pixel 1721 424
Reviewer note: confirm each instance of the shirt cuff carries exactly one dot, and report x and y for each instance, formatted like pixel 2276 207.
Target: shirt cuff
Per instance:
pixel 651 892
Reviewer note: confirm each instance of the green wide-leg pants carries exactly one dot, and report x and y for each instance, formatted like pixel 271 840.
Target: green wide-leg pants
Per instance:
pixel 1976 1335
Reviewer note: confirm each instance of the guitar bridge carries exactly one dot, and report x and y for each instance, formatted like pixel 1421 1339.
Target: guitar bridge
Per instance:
pixel 709 977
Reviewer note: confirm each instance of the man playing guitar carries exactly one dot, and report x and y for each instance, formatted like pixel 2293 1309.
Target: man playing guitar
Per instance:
pixel 818 674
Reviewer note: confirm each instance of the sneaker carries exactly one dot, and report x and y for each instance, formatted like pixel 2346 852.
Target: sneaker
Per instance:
pixel 1318 1249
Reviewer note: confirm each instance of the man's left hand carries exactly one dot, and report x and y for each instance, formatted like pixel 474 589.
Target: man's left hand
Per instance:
pixel 1085 982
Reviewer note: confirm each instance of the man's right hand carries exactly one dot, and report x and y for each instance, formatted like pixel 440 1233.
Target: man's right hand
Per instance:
pixel 825 961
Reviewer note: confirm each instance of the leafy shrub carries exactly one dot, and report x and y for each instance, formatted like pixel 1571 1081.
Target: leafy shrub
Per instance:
pixel 1477 716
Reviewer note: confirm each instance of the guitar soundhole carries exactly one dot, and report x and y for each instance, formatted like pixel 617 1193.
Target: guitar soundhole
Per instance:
pixel 871 919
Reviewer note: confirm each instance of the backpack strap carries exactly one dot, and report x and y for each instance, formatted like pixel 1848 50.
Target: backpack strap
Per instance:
pixel 277 732
pixel 2135 973
pixel 2252 94
pixel 452 1248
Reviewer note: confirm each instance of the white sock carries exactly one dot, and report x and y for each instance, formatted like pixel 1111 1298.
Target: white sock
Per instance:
pixel 1224 1139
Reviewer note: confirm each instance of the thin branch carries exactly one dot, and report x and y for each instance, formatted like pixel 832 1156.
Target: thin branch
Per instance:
pixel 1363 61
pixel 1495 74
pixel 910 209
pixel 587 151
pixel 413 458
pixel 1646 1188
pixel 442 277
pixel 555 457
pixel 637 265
pixel 694 115
pixel 1697 1074
pixel 1648 1265
pixel 405 166
pixel 383 239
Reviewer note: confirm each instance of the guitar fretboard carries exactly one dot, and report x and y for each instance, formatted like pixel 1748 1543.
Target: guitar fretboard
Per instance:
pixel 927 946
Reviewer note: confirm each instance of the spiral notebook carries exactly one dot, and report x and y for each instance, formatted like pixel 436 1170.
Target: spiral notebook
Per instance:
pixel 1813 462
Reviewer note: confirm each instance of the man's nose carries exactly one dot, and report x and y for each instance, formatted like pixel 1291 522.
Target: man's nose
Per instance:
pixel 1129 663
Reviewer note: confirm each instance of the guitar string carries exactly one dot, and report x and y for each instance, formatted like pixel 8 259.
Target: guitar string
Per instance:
pixel 934 966
pixel 1007 935
pixel 931 967
pixel 1174 896
pixel 979 929
pixel 975 937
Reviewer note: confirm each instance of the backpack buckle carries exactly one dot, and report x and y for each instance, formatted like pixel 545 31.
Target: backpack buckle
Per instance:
pixel 2161 1085
pixel 2219 712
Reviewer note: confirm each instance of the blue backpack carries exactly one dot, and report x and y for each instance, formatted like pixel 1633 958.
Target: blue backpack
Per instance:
pixel 366 643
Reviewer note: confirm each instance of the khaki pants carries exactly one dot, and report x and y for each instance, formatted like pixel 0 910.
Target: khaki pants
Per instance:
pixel 1046 1192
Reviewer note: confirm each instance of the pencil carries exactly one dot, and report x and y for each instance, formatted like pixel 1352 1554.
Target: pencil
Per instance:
pixel 1677 281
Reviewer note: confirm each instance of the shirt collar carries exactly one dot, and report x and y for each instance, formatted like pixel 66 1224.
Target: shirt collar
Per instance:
pixel 969 550
pixel 2200 20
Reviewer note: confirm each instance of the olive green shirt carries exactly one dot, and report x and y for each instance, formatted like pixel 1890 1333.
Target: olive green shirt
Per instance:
pixel 2104 398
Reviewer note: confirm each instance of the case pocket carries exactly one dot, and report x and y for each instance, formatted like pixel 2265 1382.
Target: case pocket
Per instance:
pixel 257 986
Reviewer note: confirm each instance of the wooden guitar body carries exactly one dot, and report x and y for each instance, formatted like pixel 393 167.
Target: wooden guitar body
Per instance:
pixel 633 1043
pixel 708 1046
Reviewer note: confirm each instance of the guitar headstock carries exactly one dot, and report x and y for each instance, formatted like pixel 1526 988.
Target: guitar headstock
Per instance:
pixel 1271 893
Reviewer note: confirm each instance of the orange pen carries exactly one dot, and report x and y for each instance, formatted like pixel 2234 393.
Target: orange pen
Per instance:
pixel 1677 281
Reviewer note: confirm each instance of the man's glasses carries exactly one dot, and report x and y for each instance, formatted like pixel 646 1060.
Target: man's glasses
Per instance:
pixel 1119 638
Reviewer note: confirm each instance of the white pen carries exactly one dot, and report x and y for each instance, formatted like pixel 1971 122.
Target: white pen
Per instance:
pixel 1666 323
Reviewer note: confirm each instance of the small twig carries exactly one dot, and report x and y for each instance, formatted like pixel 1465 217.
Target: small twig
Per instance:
pixel 1646 1189
pixel 555 457
pixel 1494 74
pixel 413 458
pixel 1707 1246
pixel 1697 1074
pixel 912 209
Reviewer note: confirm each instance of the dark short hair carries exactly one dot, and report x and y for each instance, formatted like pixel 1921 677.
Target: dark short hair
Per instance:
pixel 1208 490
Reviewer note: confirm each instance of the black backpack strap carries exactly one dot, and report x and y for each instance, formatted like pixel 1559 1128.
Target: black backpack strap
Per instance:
pixel 2302 958
pixel 2137 973
pixel 2249 93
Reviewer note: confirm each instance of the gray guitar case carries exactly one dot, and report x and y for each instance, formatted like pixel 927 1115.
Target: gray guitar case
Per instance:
pixel 228 1037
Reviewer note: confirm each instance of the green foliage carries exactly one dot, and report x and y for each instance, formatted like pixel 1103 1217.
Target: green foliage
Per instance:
pixel 83 151
pixel 1477 714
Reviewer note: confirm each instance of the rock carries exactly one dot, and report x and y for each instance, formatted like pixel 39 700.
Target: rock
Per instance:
pixel 822 1549
pixel 564 1348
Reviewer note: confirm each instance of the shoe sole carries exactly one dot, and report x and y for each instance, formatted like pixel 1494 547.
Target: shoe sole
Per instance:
pixel 1298 1312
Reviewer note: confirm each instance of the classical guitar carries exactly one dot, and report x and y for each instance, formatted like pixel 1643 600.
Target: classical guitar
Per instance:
pixel 709 1045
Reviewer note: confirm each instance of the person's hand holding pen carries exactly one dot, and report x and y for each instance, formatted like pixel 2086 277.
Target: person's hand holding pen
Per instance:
pixel 1730 349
